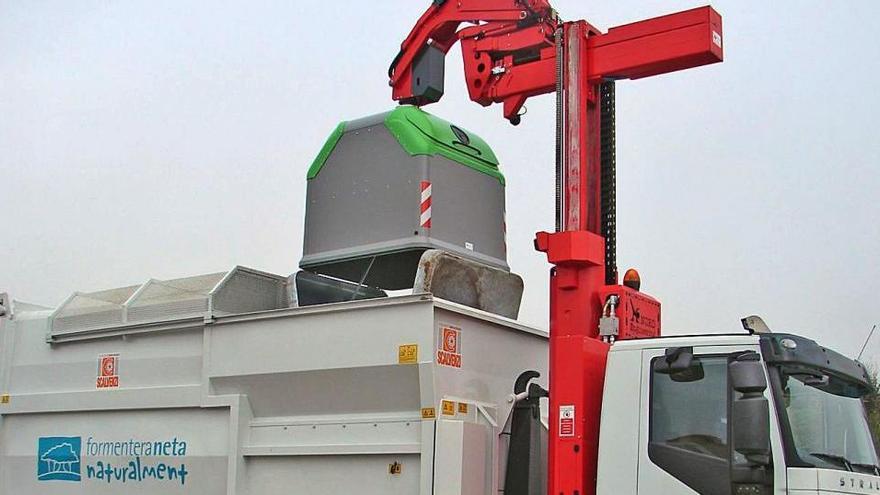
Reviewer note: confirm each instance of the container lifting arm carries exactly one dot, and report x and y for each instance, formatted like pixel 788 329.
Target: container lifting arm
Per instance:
pixel 509 45
pixel 516 49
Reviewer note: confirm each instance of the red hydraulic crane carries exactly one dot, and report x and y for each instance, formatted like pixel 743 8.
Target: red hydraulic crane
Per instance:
pixel 516 49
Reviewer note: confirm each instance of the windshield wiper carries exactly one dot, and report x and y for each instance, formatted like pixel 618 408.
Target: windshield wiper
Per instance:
pixel 846 463
pixel 837 459
pixel 872 468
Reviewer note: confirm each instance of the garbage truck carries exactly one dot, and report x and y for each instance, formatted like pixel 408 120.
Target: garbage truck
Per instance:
pixel 392 362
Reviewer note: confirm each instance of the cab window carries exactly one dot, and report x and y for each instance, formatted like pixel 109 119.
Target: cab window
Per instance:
pixel 688 426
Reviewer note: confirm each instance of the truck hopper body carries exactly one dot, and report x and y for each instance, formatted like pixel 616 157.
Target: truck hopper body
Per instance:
pixel 370 397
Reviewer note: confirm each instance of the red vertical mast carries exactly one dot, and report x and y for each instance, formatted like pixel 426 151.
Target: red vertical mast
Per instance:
pixel 517 49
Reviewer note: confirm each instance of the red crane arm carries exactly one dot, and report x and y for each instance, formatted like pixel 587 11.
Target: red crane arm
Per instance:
pixel 441 21
pixel 504 49
pixel 509 51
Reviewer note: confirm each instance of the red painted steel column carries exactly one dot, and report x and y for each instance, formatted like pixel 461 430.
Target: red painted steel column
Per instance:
pixel 577 356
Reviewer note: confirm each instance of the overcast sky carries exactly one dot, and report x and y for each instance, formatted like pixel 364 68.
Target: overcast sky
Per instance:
pixel 165 139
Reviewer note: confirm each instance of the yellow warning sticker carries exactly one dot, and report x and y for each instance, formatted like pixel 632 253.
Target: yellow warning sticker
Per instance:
pixel 408 354
pixel 462 407
pixel 429 413
pixel 448 407
pixel 4 399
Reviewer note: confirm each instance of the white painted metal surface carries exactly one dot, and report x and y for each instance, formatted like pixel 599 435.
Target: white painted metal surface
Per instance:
pixel 808 481
pixel 400 395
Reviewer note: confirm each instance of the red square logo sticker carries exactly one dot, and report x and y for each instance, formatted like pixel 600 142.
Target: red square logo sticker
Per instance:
pixel 450 339
pixel 449 346
pixel 108 371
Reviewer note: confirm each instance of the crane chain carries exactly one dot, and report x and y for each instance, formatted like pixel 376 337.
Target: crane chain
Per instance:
pixel 560 129
pixel 609 180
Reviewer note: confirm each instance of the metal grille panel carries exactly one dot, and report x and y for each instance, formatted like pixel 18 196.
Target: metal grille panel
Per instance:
pixel 240 290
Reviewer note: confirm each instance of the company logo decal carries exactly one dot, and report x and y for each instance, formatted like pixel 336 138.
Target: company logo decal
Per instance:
pixel 859 483
pixel 462 136
pixel 58 459
pixel 108 371
pixel 449 346
pixel 128 461
pixel 642 323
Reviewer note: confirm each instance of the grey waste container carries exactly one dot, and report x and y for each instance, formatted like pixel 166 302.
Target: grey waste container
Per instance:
pixel 385 188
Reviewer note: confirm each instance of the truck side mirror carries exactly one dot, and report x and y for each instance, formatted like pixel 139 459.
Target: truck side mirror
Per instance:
pixel 750 414
pixel 681 365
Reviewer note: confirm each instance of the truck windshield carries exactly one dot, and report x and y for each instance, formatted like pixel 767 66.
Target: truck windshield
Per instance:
pixel 829 429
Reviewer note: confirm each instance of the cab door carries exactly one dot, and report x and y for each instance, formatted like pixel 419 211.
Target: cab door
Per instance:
pixel 684 430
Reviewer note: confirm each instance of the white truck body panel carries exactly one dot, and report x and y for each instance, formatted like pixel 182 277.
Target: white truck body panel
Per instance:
pixel 808 481
pixel 294 401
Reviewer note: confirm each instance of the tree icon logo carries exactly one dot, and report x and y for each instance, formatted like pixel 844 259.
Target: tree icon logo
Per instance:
pixel 58 459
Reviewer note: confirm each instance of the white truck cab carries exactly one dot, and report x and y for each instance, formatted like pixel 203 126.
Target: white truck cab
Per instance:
pixel 734 414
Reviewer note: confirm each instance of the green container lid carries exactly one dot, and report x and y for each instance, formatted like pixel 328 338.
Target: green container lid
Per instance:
pixel 328 147
pixel 420 133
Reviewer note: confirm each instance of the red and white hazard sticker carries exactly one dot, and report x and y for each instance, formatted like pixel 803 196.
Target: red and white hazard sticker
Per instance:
pixel 425 205
pixel 566 421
